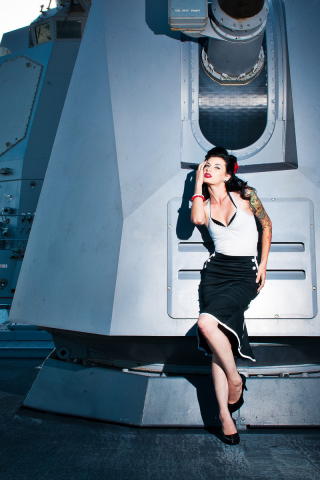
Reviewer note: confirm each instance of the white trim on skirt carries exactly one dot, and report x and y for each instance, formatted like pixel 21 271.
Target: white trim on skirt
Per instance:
pixel 228 328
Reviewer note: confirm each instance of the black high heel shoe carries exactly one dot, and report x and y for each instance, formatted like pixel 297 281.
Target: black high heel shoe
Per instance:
pixel 233 407
pixel 233 439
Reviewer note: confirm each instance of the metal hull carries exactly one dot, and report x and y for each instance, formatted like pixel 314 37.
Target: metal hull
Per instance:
pixel 150 400
pixel 112 238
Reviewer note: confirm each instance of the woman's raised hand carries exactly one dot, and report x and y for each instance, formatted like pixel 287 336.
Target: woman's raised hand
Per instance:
pixel 198 213
pixel 199 176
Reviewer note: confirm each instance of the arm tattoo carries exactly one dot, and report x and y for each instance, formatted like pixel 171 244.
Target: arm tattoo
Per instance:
pixel 258 210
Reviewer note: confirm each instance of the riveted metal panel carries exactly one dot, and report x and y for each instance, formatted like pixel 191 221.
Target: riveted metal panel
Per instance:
pixel 19 80
pixel 153 400
pixel 123 396
pixel 290 290
pixel 281 401
pixel 73 390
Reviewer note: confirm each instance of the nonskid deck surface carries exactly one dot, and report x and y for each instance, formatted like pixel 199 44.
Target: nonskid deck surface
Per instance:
pixel 40 445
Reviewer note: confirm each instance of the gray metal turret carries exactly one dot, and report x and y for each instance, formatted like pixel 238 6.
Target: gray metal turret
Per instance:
pixel 112 264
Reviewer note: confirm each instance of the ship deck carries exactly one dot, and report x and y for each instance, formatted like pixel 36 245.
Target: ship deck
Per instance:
pixel 37 445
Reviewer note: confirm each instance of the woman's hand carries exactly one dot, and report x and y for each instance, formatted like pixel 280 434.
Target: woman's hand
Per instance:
pixel 261 275
pixel 198 212
pixel 199 175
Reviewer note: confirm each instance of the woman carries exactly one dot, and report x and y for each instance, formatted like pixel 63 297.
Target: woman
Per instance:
pixel 231 277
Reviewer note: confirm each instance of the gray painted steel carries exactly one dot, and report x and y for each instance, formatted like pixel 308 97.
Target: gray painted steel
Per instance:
pixel 98 156
pixel 267 152
pixel 17 40
pixel 234 58
pixel 181 355
pixel 139 274
pixel 291 270
pixel 281 401
pixel 187 14
pixel 235 118
pixel 80 168
pixel 49 107
pixel 98 253
pixel 153 400
pixel 23 341
pixel 19 79
pixel 34 83
pixel 145 400
pixel 25 349
pixel 121 395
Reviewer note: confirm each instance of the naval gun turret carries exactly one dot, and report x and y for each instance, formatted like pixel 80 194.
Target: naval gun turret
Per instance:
pixel 113 257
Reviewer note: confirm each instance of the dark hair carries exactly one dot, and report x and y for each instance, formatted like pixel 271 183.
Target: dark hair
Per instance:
pixel 234 184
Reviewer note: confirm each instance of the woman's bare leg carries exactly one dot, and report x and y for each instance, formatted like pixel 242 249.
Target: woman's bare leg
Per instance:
pixel 221 347
pixel 221 388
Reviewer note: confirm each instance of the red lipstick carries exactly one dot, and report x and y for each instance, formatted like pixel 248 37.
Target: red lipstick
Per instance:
pixel 207 175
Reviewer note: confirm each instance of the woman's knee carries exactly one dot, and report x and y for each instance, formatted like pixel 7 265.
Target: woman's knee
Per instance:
pixel 207 324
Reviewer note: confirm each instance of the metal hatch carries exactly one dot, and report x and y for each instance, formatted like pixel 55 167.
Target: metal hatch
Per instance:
pixel 290 290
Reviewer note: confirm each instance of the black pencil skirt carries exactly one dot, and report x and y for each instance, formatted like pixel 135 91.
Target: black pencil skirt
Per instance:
pixel 228 285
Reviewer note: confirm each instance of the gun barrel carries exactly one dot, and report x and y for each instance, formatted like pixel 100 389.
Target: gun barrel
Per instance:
pixel 235 49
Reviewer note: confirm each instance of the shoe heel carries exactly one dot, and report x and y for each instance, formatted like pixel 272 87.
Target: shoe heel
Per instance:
pixel 244 386
pixel 233 407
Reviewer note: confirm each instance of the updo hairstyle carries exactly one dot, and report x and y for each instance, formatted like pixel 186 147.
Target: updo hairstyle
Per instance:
pixel 234 184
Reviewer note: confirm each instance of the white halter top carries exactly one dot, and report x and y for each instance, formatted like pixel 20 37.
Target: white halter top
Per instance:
pixel 239 238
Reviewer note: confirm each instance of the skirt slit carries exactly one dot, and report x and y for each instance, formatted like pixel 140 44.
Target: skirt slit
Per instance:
pixel 228 285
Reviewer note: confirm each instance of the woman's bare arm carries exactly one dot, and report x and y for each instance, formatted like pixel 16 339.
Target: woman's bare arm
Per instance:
pixel 198 211
pixel 258 210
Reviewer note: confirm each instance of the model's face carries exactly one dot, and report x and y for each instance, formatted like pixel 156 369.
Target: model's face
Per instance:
pixel 215 171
